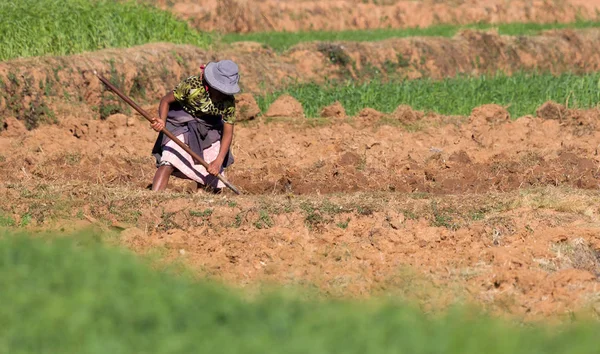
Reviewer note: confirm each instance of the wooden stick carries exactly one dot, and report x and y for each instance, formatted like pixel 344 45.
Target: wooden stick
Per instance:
pixel 164 130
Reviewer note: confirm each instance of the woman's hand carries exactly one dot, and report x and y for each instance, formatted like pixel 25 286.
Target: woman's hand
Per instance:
pixel 214 168
pixel 163 110
pixel 157 125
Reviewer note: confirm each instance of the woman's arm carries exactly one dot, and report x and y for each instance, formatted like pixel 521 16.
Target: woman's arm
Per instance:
pixel 163 110
pixel 215 167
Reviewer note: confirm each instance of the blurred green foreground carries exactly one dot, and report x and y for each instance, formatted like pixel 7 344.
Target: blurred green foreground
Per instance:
pixel 76 295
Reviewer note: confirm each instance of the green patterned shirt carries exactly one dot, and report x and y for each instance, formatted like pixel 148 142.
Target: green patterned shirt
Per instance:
pixel 196 101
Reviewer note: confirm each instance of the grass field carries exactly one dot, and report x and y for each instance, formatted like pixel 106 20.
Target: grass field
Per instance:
pixel 281 41
pixel 50 27
pixel 75 295
pixel 522 93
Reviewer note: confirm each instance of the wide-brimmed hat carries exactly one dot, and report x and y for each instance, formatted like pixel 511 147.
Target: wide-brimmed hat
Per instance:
pixel 223 76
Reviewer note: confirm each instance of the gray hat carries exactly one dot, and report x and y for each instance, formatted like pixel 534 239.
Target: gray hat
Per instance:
pixel 223 76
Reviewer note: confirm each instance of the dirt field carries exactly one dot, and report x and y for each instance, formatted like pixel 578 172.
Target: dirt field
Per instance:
pixel 291 15
pixel 436 209
pixel 501 212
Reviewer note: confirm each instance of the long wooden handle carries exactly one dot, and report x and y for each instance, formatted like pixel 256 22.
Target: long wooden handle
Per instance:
pixel 164 130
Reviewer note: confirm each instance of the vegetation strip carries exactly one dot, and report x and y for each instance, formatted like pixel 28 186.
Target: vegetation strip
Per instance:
pixel 108 301
pixel 522 93
pixel 47 27
pixel 281 41
pixel 47 204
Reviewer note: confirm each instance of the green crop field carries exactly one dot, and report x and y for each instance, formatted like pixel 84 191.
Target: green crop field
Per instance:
pixel 76 295
pixel 522 93
pixel 283 40
pixel 61 27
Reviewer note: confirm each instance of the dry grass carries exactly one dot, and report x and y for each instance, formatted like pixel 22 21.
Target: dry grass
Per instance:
pixel 565 200
pixel 577 254
pixel 129 205
pixel 422 290
pixel 240 16
pixel 572 254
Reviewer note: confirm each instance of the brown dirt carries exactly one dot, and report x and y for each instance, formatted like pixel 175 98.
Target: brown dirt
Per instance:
pixel 335 110
pixel 247 108
pixel 502 213
pixel 405 114
pixel 435 154
pixel 552 110
pixel 291 15
pixel 371 152
pixel 369 115
pixel 31 86
pixel 508 262
pixel 493 113
pixel 285 106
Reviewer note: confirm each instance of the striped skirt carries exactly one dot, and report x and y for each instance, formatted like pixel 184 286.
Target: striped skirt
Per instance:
pixel 175 156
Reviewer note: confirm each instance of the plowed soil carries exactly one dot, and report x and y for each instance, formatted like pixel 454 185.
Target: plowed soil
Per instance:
pixel 289 15
pixel 485 152
pixel 430 208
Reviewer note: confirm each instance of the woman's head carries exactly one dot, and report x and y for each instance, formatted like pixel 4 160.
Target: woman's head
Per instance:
pixel 222 77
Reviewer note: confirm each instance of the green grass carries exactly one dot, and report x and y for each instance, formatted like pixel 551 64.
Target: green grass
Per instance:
pixel 74 295
pixel 280 41
pixel 61 27
pixel 523 93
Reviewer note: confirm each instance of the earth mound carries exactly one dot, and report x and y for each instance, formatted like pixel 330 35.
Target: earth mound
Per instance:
pixel 285 106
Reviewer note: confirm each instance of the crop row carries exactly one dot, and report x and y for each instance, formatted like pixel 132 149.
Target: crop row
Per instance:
pixel 61 27
pixel 521 93
pixel 52 27
pixel 281 41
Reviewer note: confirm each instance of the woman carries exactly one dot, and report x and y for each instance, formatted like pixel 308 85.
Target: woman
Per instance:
pixel 200 111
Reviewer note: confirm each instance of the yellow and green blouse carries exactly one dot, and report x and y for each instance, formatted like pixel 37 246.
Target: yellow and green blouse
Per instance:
pixel 196 101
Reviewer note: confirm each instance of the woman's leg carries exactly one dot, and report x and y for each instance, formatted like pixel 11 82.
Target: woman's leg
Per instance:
pixel 161 177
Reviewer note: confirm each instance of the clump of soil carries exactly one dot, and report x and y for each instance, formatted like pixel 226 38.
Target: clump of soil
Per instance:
pixel 246 107
pixel 335 110
pixel 490 113
pixel 460 157
pixel 586 121
pixel 349 159
pixel 11 127
pixel 552 110
pixel 370 114
pixel 577 254
pixel 285 106
pixel 406 114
